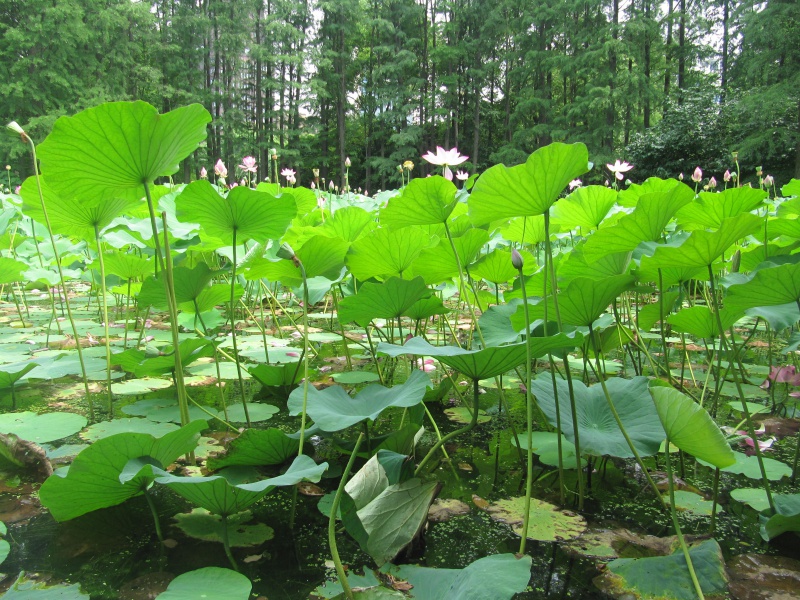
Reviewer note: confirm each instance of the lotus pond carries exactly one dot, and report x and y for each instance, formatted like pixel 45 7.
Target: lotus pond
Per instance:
pixel 523 388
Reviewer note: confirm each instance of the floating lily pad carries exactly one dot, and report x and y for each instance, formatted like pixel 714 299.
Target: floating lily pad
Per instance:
pixel 547 522
pixel 461 414
pixel 27 589
pixel 545 446
pixel 202 525
pixel 210 582
pixel 755 498
pixel 41 428
pixel 256 410
pixel 694 503
pixel 667 577
pixel 786 517
pixel 133 425
pixel 748 466
pixel 138 387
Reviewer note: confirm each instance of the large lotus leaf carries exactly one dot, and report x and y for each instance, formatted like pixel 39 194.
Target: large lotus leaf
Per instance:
pixel 93 479
pixel 645 224
pixel 781 226
pixel 426 308
pixel 394 517
pixel 581 303
pixel 756 498
pixel 332 409
pixel 768 287
pixel 321 256
pixel 424 201
pixel 586 207
pixel 72 215
pixel 576 265
pixel 547 522
pixel 277 375
pixel 28 589
pixel 545 446
pixel 257 447
pixel 748 466
pixel 712 208
pixel 137 361
pixel 779 317
pixel 41 428
pixel 223 497
pixel 670 276
pixel 305 198
pixel 786 517
pixel 700 322
pixel 246 213
pixel 189 283
pixel 211 297
pixel 495 267
pixel 598 430
pixel 13 372
pixel 498 577
pixel 383 253
pixel 495 324
pixel 387 300
pixel 127 266
pixel 209 582
pixel 629 197
pixel 526 230
pixel 438 263
pixel 791 189
pixel 104 429
pixel 702 248
pixel 111 150
pixel 667 577
pixel 528 189
pixel 650 314
pixel 348 223
pixel 11 270
pixel 691 428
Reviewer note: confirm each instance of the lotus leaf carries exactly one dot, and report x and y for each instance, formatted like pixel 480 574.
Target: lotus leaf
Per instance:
pixel 209 582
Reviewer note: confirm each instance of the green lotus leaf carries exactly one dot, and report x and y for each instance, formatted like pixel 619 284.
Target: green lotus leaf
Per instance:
pixel 545 446
pixel 110 151
pixel 140 364
pixel 748 466
pixel 426 308
pixel 575 265
pixel 581 303
pixel 495 267
pixel 586 207
pixel 385 253
pixel 276 375
pixel 528 189
pixel 779 317
pixel 645 224
pixel 691 428
pixel 668 577
pixel 438 263
pixel 11 270
pixel 189 284
pixel 127 266
pixel 424 201
pixel 332 409
pixel 786 517
pixel 548 523
pixel 526 230
pixel 73 215
pixel 27 589
pixel 349 223
pixel 93 479
pixel 202 525
pixel 599 434
pixel 43 428
pixel 257 447
pixel 209 582
pixel 242 215
pixel 387 300
pixel 702 248
pixel 499 577
pixel 11 373
pixel 629 197
pixel 769 287
pixel 321 256
pixel 783 226
pixel 224 495
pixel 700 322
pixel 756 498
pixel 710 209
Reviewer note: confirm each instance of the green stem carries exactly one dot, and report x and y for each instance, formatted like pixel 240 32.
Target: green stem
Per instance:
pixel 529 424
pixel 226 542
pixel 337 561
pixel 674 514
pixel 305 358
pixel 714 501
pixel 105 321
pixel 233 334
pixel 57 258
pixel 154 512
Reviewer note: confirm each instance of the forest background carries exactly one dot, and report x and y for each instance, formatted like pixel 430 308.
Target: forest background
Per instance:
pixel 668 85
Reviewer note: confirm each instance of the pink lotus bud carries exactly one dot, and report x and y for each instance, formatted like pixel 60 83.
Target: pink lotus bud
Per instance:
pixel 203 173
pixel 697 176
pixel 680 177
pixel 769 181
pixel 220 169
pixel 347 162
pixel 726 177
pixel 516 259
pixel 712 183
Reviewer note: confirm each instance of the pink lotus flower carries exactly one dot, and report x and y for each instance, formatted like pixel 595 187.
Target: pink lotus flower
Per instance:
pixel 697 176
pixel 248 164
pixel 426 365
pixel 618 168
pixel 220 169
pixel 203 173
pixel 445 158
pixel 287 173
pixel 787 374
pixel 769 181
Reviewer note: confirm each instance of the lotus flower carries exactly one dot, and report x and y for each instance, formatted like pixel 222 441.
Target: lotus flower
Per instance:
pixel 618 168
pixel 287 173
pixel 726 177
pixel 248 164
pixel 712 183
pixel 203 173
pixel 575 183
pixel 462 175
pixel 408 165
pixel 220 169
pixel 769 181
pixel 697 176
pixel 445 158
pixel 787 374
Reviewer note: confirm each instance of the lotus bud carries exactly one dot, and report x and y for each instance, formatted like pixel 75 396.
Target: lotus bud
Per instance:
pixel 330 185
pixel 315 172
pixel 712 183
pixel 15 127
pixel 273 153
pixel 399 168
pixel 697 176
pixel 286 252
pixel 347 162
pixel 203 173
pixel 680 177
pixel 769 181
pixel 8 167
pixel 516 259
pixel 726 177
pixel 313 187
pixel 759 171
pixel 735 261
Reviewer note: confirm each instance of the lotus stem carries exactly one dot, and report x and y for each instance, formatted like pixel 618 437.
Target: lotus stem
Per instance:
pixel 105 321
pixel 337 561
pixel 57 258
pixel 233 333
pixel 674 514
pixel 529 422
pixel 226 543
pixel 154 512
pixel 305 357
pixel 714 501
